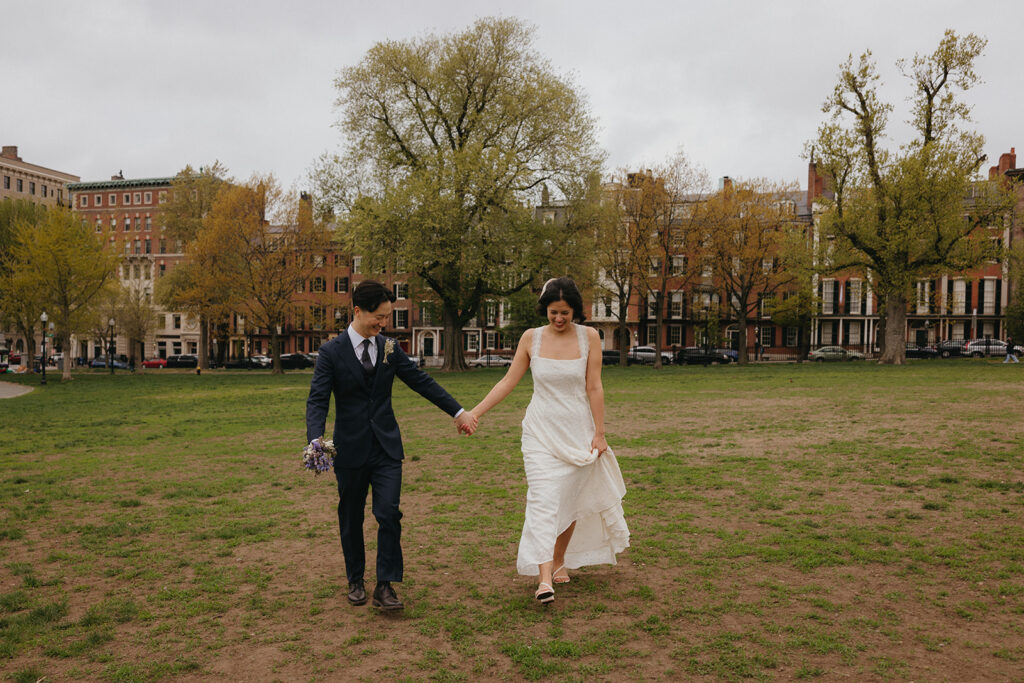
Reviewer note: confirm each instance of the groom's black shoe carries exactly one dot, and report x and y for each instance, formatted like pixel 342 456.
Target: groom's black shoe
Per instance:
pixel 385 598
pixel 356 593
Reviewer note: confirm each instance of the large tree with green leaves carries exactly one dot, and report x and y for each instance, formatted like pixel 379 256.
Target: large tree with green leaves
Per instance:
pixel 899 213
pixel 20 298
pixel 448 140
pixel 69 267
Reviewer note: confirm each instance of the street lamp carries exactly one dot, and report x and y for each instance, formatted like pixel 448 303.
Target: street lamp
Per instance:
pixel 42 357
pixel 111 348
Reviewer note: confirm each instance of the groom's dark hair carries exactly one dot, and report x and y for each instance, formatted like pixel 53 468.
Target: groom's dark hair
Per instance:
pixel 369 294
pixel 561 289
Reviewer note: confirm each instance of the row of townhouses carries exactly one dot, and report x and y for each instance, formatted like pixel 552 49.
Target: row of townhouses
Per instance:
pixel 126 213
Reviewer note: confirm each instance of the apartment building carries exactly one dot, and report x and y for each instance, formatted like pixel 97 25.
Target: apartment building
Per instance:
pixel 20 179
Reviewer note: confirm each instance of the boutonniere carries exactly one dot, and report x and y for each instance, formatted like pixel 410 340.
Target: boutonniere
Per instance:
pixel 389 347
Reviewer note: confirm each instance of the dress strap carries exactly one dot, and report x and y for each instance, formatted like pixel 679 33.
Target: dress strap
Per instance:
pixel 535 346
pixel 581 336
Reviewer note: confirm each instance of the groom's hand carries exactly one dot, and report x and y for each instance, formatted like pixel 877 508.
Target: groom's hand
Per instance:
pixel 466 423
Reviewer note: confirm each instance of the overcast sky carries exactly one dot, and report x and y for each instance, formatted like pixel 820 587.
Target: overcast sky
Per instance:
pixel 147 87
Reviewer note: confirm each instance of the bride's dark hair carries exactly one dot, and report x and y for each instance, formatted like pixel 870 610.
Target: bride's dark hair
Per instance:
pixel 561 289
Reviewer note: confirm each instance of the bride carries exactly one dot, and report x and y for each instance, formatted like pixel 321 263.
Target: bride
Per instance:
pixel 574 500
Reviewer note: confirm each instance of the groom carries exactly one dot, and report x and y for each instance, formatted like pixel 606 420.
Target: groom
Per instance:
pixel 358 367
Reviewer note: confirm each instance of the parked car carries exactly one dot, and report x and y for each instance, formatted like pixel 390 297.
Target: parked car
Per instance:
pixel 693 355
pixel 834 353
pixel 490 361
pixel 952 347
pixel 101 362
pixel 611 357
pixel 979 348
pixel 296 361
pixel 918 351
pixel 646 355
pixel 732 353
pixel 154 363
pixel 187 360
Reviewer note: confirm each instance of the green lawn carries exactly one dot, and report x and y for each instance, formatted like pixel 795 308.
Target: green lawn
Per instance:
pixel 789 522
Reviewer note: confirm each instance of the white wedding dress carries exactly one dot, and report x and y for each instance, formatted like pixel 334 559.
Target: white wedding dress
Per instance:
pixel 567 482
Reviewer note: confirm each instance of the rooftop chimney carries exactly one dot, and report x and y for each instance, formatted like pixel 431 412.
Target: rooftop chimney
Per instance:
pixel 10 152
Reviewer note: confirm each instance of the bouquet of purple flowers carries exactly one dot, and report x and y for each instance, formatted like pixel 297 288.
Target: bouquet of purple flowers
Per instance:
pixel 319 456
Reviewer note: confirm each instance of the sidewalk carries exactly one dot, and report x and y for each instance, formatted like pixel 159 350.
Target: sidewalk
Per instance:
pixel 8 390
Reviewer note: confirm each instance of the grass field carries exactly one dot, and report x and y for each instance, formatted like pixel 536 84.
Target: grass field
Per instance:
pixel 789 522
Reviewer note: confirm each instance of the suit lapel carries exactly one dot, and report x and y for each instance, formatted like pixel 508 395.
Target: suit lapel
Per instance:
pixel 348 357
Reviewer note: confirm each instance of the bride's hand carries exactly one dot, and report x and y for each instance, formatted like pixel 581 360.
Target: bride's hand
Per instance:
pixel 599 443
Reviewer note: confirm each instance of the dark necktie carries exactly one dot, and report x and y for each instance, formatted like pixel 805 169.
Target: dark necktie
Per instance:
pixel 365 358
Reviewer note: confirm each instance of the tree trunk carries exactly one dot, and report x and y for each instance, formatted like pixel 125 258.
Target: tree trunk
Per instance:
pixel 65 344
pixel 623 334
pixel 453 357
pixel 204 342
pixel 741 336
pixel 880 328
pixel 895 350
pixel 275 352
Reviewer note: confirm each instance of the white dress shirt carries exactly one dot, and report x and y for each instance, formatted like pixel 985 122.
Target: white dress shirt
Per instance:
pixel 357 344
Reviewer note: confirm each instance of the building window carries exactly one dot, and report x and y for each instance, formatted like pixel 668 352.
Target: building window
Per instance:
pixel 149 246
pixel 490 340
pixel 163 246
pixel 126 199
pixel 44 191
pixel 99 200
pixel 163 270
pixel 318 284
pixel 401 290
pixel 177 322
pixel 400 318
pixel 923 296
pixel 111 199
pixel 138 246
pixel 675 335
pixel 137 198
pixel 99 225
pixel 149 223
pixel 652 336
pixel 163 196
pixel 490 315
pixel 989 303
pixel 676 305
pixel 767 336
pixel 470 341
pixel 655 267
pixel 792 336
pixel 357 264
pixel 853 334
pixel 31 188
pixel 301 286
pixel 340 285
pixel 652 305
pixel 828 288
pixel 959 297
pixel 826 333
pixel 83 201
pixel 679 265
pixel 21 185
pixel 127 224
pixel 426 317
pixel 855 291
pixel 7 182
pixel 148 197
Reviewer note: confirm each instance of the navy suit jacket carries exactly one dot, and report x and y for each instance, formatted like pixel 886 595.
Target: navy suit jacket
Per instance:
pixel 363 411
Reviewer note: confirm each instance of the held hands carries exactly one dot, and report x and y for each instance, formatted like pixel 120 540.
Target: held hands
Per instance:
pixel 466 423
pixel 599 444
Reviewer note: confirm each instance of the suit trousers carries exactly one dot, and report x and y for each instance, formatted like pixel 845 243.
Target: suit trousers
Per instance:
pixel 383 475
